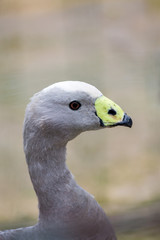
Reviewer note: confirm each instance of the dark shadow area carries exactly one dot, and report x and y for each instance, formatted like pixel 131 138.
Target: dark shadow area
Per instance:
pixel 139 223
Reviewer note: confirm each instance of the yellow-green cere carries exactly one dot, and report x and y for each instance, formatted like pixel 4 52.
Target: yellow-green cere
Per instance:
pixel 103 106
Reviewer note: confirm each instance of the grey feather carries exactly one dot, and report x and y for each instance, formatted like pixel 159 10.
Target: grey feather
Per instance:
pixel 66 211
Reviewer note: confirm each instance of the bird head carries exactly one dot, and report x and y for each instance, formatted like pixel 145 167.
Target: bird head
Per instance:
pixel 65 109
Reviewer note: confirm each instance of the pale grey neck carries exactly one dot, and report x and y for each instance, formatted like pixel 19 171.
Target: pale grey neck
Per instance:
pixel 50 176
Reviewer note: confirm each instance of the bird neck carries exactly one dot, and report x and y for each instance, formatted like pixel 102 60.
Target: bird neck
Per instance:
pixel 50 176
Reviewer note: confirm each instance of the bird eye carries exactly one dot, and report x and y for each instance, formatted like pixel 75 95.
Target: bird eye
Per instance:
pixel 75 105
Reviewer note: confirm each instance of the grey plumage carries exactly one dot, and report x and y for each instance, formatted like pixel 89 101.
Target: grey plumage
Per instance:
pixel 66 211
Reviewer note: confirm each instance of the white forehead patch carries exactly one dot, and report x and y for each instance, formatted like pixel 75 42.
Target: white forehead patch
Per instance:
pixel 73 86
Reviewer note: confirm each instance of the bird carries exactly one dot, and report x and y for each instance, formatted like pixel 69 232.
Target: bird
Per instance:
pixel 54 116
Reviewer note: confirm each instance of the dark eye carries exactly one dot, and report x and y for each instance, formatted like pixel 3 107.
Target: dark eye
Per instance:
pixel 75 105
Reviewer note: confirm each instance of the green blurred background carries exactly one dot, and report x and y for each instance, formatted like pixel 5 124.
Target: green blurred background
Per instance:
pixel 114 45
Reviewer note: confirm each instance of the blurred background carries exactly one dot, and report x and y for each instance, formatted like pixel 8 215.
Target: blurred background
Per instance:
pixel 114 45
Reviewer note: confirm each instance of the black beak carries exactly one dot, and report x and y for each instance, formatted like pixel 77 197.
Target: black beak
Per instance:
pixel 127 121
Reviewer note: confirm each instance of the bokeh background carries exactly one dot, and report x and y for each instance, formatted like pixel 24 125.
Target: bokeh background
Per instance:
pixel 114 45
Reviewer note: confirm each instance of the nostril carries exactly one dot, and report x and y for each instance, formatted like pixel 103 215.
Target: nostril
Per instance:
pixel 112 112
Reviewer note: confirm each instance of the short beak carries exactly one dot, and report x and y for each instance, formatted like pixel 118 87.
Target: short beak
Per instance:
pixel 110 114
pixel 127 122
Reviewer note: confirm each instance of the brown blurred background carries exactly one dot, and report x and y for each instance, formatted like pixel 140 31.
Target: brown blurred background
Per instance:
pixel 114 45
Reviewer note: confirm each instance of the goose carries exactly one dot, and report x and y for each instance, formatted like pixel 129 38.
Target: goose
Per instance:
pixel 55 116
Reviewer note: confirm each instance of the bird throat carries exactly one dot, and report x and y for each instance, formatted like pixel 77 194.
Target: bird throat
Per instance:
pixel 51 178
